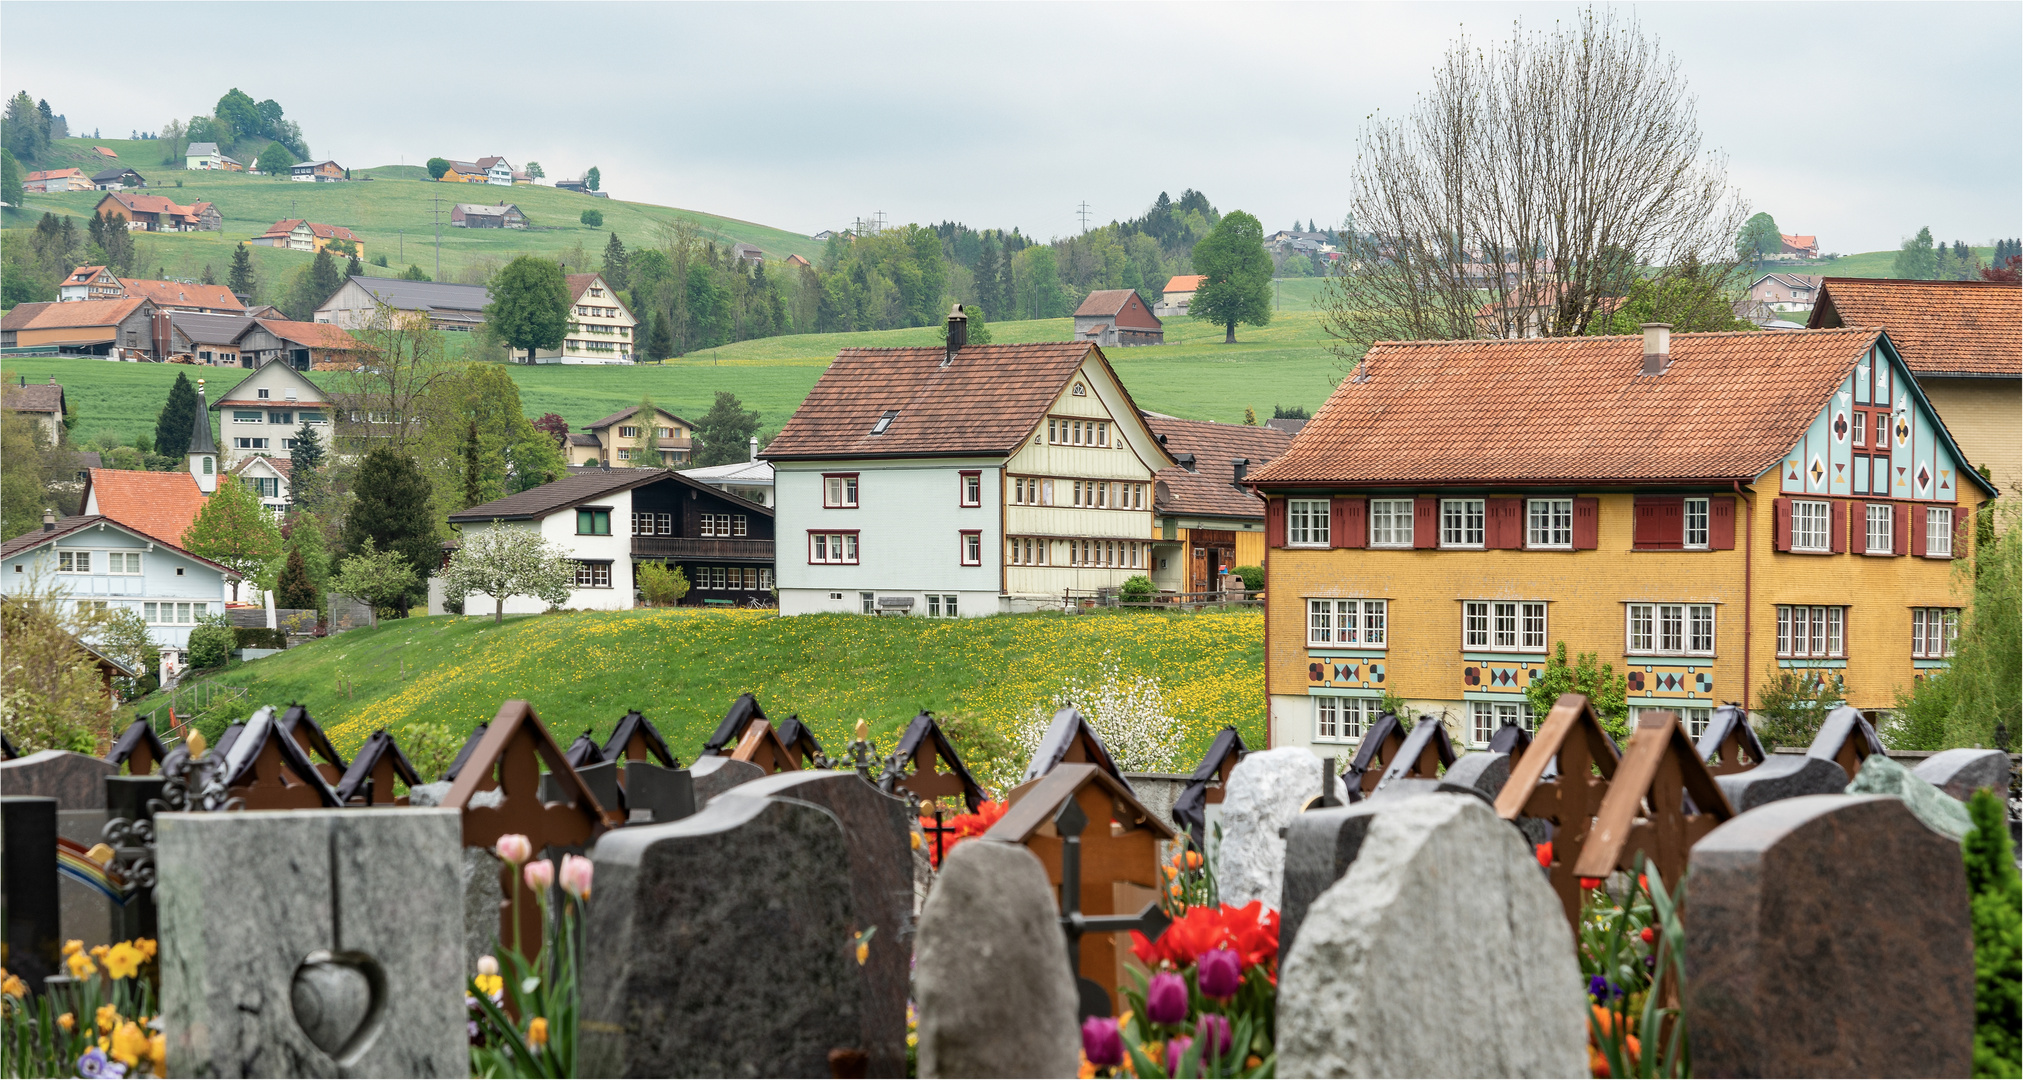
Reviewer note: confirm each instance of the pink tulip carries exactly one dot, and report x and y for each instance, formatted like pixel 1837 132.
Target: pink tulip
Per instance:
pixel 514 848
pixel 1102 1043
pixel 576 874
pixel 1219 974
pixel 540 875
pixel 1166 999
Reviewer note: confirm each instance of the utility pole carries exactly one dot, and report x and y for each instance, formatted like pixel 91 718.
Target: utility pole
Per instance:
pixel 1083 212
pixel 437 215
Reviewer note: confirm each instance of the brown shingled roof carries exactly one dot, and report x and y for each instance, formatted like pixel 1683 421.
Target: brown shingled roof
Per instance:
pixel 986 402
pixel 35 397
pixel 21 315
pixel 1210 490
pixel 81 313
pixel 1104 302
pixel 1939 327
pixel 1556 410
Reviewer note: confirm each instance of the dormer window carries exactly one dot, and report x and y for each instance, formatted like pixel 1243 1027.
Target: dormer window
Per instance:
pixel 884 422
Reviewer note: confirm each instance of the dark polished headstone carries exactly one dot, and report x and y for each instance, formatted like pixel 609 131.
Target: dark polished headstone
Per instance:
pixel 1784 776
pixel 1320 845
pixel 659 793
pixel 74 780
pixel 601 779
pixel 28 860
pixel 715 774
pixel 1962 772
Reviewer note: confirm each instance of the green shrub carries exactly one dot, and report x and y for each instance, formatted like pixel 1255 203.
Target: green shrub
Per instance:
pixel 1995 893
pixel 1253 576
pixel 663 586
pixel 1138 588
pixel 258 637
pixel 593 218
pixel 1793 706
pixel 211 645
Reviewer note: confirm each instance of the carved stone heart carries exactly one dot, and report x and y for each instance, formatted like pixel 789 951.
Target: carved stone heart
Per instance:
pixel 339 999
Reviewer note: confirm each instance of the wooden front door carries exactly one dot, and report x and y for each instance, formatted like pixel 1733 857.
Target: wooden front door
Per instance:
pixel 1198 579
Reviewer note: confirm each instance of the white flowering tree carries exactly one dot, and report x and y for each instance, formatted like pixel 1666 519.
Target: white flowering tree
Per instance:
pixel 502 562
pixel 1130 713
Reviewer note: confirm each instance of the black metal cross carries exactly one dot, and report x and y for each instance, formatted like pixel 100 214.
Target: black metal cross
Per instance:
pixel 1069 821
pixel 939 832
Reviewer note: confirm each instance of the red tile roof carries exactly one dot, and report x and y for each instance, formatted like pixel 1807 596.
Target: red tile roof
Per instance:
pixel 175 293
pixel 18 317
pixel 1210 490
pixel 313 335
pixel 82 313
pixel 327 232
pixel 83 275
pixel 1939 327
pixel 1562 410
pixel 1184 283
pixel 986 402
pixel 52 174
pixel 161 504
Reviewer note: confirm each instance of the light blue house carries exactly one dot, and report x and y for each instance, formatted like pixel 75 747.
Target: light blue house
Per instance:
pixel 92 559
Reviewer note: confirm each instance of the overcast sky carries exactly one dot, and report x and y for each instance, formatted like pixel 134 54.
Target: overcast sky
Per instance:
pixel 1855 122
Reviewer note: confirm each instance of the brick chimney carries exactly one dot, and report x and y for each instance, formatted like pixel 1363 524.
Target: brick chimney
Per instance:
pixel 1657 347
pixel 958 333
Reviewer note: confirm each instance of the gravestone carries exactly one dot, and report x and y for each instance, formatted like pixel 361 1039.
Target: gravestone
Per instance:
pixel 339 951
pixel 722 946
pixel 1729 745
pixel 1829 935
pixel 1319 847
pixel 934 770
pixel 34 907
pixel 1572 746
pixel 713 775
pixel 75 781
pixel 1483 771
pixel 138 748
pixel 1442 904
pixel 266 767
pixel 1265 792
pixel 1784 776
pixel 1881 776
pixel 1962 772
pixel 1379 745
pixel 655 795
pixel 602 780
pixel 1660 802
pixel 90 899
pixel 877 837
pixel 993 995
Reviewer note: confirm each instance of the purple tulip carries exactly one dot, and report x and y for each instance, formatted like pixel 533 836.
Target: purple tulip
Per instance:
pixel 1214 1031
pixel 1166 999
pixel 1102 1043
pixel 1176 1048
pixel 1219 974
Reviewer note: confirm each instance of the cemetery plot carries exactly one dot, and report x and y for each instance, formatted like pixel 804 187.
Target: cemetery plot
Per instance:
pixel 1661 801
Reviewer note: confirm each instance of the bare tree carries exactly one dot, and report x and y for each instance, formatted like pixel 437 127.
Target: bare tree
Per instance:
pixel 1528 190
pixel 383 397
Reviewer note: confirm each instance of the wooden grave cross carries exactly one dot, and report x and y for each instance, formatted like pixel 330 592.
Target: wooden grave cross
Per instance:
pixel 275 774
pixel 1846 739
pixel 761 746
pixel 514 746
pixel 1729 745
pixel 1573 738
pixel 1151 920
pixel 1422 754
pixel 139 749
pixel 936 771
pixel 378 763
pixel 1661 801
pixel 1379 746
pixel 308 735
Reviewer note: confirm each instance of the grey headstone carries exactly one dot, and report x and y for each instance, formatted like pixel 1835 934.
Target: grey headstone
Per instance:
pixel 714 774
pixel 89 915
pixel 34 930
pixel 1784 776
pixel 721 944
pixel 601 779
pixel 247 898
pixel 990 977
pixel 1485 771
pixel 1943 813
pixel 877 841
pixel 1962 772
pixel 1829 935
pixel 655 794
pixel 1319 846
pixel 1442 904
pixel 1265 791
pixel 75 781
pixel 477 875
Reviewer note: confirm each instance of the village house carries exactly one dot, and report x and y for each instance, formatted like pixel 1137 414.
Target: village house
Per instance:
pixel 1207 522
pixel 1117 317
pixel 614 440
pixel 117 178
pixel 97 560
pixel 611 520
pixel 249 342
pixel 750 480
pixel 1810 533
pixel 1963 341
pixel 45 181
pixel 963 480
pixel 115 329
pixel 267 476
pixel 491 169
pixel 600 326
pixel 748 253
pixel 156 213
pixel 1177 295
pixel 99 283
pixel 1785 292
pixel 797 262
pixel 202 156
pixel 1522 316
pixel 259 416
pixel 90 283
pixel 296 234
pixel 318 172
pixel 42 402
pixel 445 307
pixel 480 216
pixel 1800 247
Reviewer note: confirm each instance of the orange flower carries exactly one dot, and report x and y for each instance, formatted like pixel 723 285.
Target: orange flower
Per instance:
pixel 537 1032
pixel 1193 859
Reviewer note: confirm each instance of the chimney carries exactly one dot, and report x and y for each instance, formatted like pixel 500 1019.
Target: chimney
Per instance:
pixel 1657 347
pixel 48 520
pixel 755 449
pixel 1239 468
pixel 958 333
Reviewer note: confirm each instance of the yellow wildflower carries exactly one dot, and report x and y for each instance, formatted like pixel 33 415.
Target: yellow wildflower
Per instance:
pixel 12 985
pixel 66 1021
pixel 81 966
pixel 863 952
pixel 146 946
pixel 123 961
pixel 73 947
pixel 488 984
pixel 129 1043
pixel 158 1053
pixel 108 1017
pixel 537 1032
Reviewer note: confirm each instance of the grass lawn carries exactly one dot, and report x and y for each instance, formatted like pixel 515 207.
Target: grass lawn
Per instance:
pixel 1871 264
pixel 431 680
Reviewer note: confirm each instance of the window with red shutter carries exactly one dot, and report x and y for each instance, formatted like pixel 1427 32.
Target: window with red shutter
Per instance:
pixel 1917 515
pixel 1836 529
pixel 1960 515
pixel 1857 523
pixel 1587 524
pixel 1506 523
pixel 1274 523
pixel 1660 522
pixel 1782 508
pixel 1903 523
pixel 1721 523
pixel 1350 529
pixel 1425 523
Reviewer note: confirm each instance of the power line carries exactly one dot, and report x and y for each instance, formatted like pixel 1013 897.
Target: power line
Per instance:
pixel 1083 212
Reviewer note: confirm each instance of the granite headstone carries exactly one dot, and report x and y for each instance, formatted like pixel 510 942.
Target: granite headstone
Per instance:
pixel 656 795
pixel 991 981
pixel 34 932
pixel 714 774
pixel 1784 776
pixel 1881 776
pixel 1265 792
pixel 1442 904
pixel 75 781
pixel 1319 847
pixel 1829 935
pixel 478 876
pixel 1962 772
pixel 312 943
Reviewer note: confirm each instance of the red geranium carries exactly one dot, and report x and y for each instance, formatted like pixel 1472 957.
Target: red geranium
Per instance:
pixel 959 828
pixel 1251 931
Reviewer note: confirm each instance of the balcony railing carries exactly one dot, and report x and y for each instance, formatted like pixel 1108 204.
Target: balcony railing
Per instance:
pixel 701 549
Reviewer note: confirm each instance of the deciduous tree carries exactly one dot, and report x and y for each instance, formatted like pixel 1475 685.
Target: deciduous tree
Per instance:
pixel 276 160
pixel 234 529
pixel 383 579
pixel 530 305
pixel 505 561
pixel 1236 275
pixel 593 179
pixel 437 167
pixel 51 693
pixel 1916 258
pixel 534 171
pixel 1759 237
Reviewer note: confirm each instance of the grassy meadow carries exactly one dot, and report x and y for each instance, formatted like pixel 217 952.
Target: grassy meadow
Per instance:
pixel 431 680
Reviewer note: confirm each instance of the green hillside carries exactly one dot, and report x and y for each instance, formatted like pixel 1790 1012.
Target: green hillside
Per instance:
pixel 684 668
pixel 391 213
pixel 1868 264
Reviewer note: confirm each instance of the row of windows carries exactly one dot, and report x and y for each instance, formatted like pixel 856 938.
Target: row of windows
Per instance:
pixel 1064 432
pixel 278 416
pixel 1086 494
pixel 733 577
pixel 667 457
pixel 939 605
pixel 109 562
pixel 1878 531
pixel 841 548
pixel 258 442
pixel 1348 719
pixel 176 614
pixel 1464 523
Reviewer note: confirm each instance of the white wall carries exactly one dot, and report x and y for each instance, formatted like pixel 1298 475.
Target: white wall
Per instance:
pixel 559 529
pixel 909 523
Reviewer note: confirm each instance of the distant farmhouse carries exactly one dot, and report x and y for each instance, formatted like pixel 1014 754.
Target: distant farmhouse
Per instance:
pixel 296 234
pixel 1179 293
pixel 118 178
pixel 156 213
pixel 1117 317
pixel 480 216
pixel 1785 292
pixel 442 305
pixel 113 329
pixel 1800 247
pixel 205 156
pixel 318 172
pixel 493 170
pixel 99 283
pixel 45 181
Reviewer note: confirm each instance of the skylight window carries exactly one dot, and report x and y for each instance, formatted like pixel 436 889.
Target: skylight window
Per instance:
pixel 884 422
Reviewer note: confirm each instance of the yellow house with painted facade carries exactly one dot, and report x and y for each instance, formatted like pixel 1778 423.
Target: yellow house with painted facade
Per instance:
pixel 1702 511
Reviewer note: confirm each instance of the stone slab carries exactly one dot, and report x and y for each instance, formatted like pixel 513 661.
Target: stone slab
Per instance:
pixel 1264 793
pixel 722 943
pixel 1319 846
pixel 1962 772
pixel 1939 811
pixel 657 793
pixel 1485 771
pixel 1829 935
pixel 991 980
pixel 247 897
pixel 75 781
pixel 714 774
pixel 1784 776
pixel 28 885
pixel 1442 904
pixel 601 779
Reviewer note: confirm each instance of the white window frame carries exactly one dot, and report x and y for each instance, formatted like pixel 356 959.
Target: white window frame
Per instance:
pixel 1811 526
pixel 1548 524
pixel 1505 626
pixel 1699 524
pixel 832 548
pixel 1938 532
pixel 117 561
pixel 73 562
pixel 1484 717
pixel 839 492
pixel 1811 632
pixel 1307 523
pixel 1333 622
pixel 972 547
pixel 1695 718
pixel 1340 719
pixel 1879 529
pixel 1934 633
pixel 587 575
pixel 1459 520
pixel 1659 629
pixel 1390 523
pixel 972 488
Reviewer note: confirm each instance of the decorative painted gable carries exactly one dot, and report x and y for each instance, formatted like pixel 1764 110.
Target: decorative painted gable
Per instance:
pixel 1876 437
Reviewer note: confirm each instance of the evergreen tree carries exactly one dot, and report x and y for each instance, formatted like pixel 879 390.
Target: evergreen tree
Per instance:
pixel 305 472
pixel 1993 894
pixel 663 337
pixel 208 277
pixel 294 589
pixel 642 337
pixel 324 279
pixel 474 471
pixel 986 272
pixel 615 265
pixel 240 278
pixel 391 508
pixel 177 420
pixel 725 431
pixel 353 269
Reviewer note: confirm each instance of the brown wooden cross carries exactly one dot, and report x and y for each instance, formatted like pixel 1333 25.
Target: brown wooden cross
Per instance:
pixel 1847 739
pixel 1119 863
pixel 1646 809
pixel 1572 737
pixel 1379 746
pixel 275 774
pixel 510 755
pixel 1734 747
pixel 935 770
pixel 308 735
pixel 761 746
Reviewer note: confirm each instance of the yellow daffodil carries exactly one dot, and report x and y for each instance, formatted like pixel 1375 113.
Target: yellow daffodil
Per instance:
pixel 81 966
pixel 13 986
pixel 123 961
pixel 129 1043
pixel 108 1017
pixel 98 952
pixel 73 947
pixel 146 946
pixel 537 1032
pixel 488 984
pixel 66 1022
pixel 158 1053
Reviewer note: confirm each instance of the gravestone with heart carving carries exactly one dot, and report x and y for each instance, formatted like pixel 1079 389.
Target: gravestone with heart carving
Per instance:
pixel 312 943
